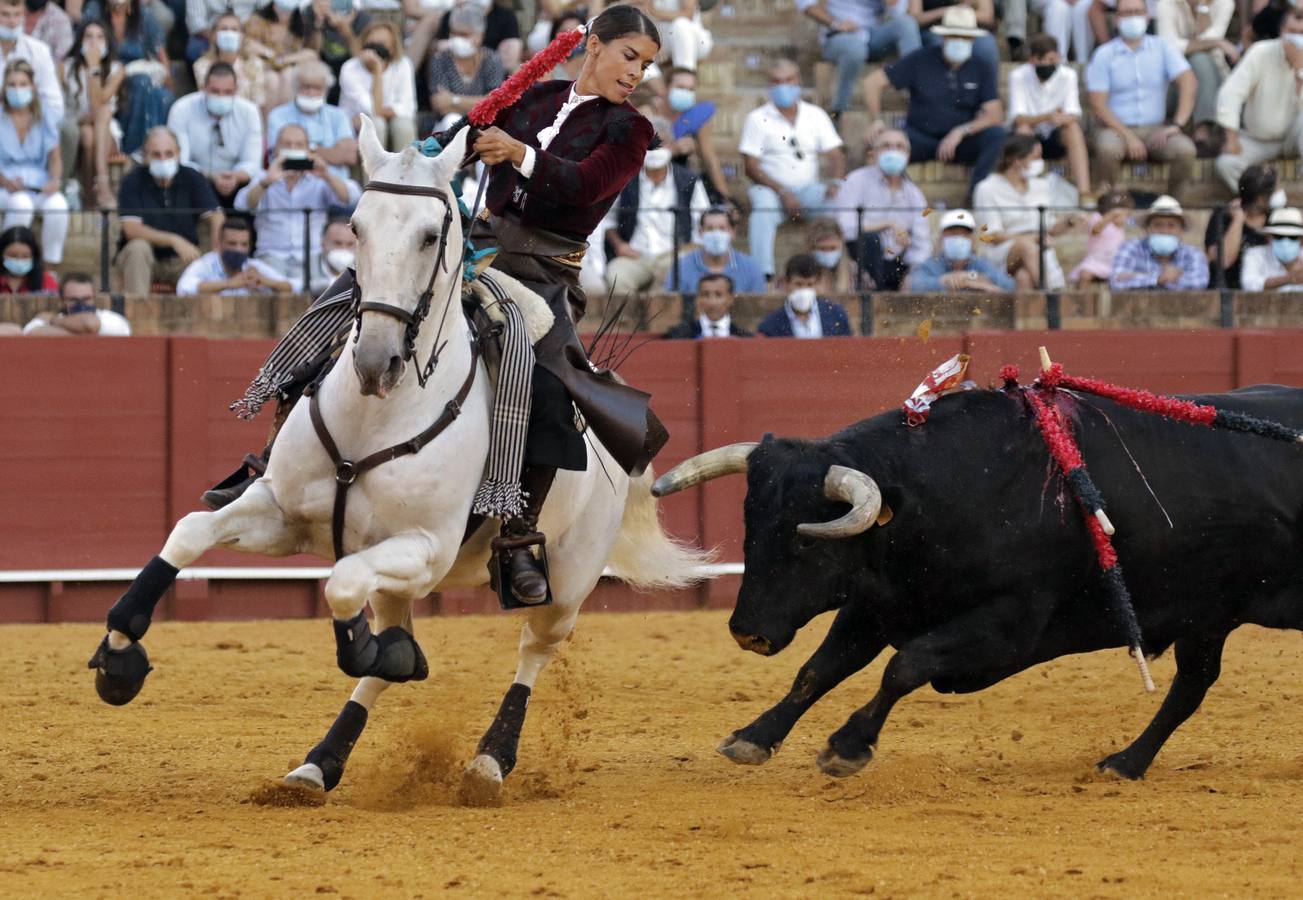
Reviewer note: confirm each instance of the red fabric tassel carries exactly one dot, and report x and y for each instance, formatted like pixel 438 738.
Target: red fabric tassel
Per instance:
pixel 484 113
pixel 1144 401
pixel 1009 374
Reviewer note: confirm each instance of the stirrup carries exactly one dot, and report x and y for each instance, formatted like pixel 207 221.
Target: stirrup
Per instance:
pixel 500 568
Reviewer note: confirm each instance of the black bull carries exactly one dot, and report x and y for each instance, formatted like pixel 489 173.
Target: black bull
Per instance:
pixel 984 566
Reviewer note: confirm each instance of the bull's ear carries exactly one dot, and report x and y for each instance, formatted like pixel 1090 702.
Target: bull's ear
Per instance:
pixel 767 437
pixel 885 515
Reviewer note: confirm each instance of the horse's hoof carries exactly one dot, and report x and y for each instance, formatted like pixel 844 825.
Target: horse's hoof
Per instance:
pixel 1118 765
pixel 833 763
pixel 744 752
pixel 481 783
pixel 307 775
pixel 119 674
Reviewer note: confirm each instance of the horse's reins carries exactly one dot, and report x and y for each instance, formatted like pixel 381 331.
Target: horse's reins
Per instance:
pixel 348 471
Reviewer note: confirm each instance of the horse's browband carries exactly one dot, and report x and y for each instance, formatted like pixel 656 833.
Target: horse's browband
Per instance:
pixel 389 187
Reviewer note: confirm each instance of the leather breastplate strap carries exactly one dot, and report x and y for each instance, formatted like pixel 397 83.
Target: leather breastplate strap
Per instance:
pixel 347 471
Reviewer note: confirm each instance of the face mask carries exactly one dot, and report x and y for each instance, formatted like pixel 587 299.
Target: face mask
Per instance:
pixel 1295 39
pixel 1046 71
pixel 19 97
pixel 656 159
pixel 228 41
pixel 164 169
pixel 218 106
pixel 1286 249
pixel 785 96
pixel 1132 27
pixel 461 47
pixel 36 5
pixel 828 258
pixel 1163 244
pixel 682 99
pixel 308 104
pixel 8 34
pixel 892 162
pixel 957 50
pixel 956 248
pixel 20 267
pixel 88 46
pixel 1278 198
pixel 340 258
pixel 716 243
pixel 234 260
pixel 379 50
pixel 72 307
pixel 801 300
pixel 1034 169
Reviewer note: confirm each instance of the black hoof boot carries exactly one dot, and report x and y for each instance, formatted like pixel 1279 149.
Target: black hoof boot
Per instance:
pixel 356 648
pixel 392 655
pixel 119 674
pixel 401 658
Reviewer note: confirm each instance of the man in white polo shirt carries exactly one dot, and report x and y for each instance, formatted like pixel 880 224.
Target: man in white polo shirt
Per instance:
pixel 1044 101
pixel 781 143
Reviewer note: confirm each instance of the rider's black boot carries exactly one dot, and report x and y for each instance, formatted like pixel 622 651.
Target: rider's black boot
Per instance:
pixel 521 534
pixel 235 484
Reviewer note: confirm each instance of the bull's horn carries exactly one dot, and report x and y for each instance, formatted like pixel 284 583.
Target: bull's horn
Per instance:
pixel 850 486
pixel 730 460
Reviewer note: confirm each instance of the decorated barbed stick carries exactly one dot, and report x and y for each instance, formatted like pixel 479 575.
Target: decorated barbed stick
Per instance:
pixel 1086 492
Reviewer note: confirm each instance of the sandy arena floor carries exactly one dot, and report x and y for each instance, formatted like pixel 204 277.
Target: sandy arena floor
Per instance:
pixel 618 790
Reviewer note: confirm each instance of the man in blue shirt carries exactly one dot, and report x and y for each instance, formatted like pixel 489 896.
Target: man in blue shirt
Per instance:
pixel 717 257
pixel 330 134
pixel 955 267
pixel 1127 81
pixel 856 31
pixel 955 114
pixel 1160 260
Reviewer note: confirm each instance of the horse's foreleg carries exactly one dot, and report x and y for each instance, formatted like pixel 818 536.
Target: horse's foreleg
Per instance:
pixel 253 523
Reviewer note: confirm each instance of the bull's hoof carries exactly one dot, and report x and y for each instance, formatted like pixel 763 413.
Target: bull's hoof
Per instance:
pixel 833 763
pixel 481 783
pixel 745 753
pixel 308 776
pixel 1120 765
pixel 119 674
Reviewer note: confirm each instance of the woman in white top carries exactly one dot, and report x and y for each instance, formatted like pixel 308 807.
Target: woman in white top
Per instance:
pixel 1006 204
pixel 687 38
pixel 380 82
pixel 92 77
pixel 1277 266
pixel 1197 28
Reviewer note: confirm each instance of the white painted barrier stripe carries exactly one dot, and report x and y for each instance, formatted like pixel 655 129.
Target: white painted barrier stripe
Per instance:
pixel 235 573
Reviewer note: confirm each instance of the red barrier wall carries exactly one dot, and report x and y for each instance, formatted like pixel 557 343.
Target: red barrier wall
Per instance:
pixel 106 443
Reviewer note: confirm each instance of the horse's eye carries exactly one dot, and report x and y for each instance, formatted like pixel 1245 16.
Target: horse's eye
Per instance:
pixel 429 239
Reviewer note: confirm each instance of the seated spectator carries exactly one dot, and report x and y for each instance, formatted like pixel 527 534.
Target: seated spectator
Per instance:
pixel 48 23
pixel 201 21
pixel 714 305
pixel 501 31
pixel 954 113
pixel 330 135
pixel 663 199
pixel 1258 106
pixel 823 241
pixel 1068 22
pixel 1235 227
pixel 1276 266
pixel 693 133
pixel 30 162
pixel 1267 23
pixel 461 74
pixel 955 267
pixel 804 314
pixel 379 82
pixel 228 270
pixel 279 27
pixel 332 36
pixel 14 46
pixel 891 236
pixel 337 254
pixel 682 33
pixel 781 143
pixel 279 196
pixel 23 272
pixel 1198 30
pixel 77 314
pixel 929 12
pixel 856 32
pixel 1128 80
pixel 1108 231
pixel 567 19
pixel 1160 260
pixel 1044 101
pixel 256 78
pixel 141 48
pixel 1008 206
pixel 92 77
pixel 220 133
pixel 716 257
pixel 162 203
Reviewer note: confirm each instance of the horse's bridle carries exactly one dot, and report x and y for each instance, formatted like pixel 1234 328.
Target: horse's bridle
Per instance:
pixel 412 319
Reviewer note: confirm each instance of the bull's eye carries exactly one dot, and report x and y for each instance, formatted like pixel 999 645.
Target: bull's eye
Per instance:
pixel 805 544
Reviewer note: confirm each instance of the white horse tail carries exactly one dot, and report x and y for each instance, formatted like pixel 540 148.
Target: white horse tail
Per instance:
pixel 645 557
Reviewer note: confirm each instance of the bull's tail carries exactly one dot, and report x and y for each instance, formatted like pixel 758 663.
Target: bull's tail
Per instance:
pixel 645 557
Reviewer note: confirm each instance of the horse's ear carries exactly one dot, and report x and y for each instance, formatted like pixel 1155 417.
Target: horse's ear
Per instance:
pixel 368 144
pixel 452 156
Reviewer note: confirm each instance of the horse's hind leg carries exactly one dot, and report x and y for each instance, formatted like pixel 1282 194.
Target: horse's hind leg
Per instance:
pixel 254 523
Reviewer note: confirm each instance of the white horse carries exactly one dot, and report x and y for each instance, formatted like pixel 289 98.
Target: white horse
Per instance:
pixel 405 519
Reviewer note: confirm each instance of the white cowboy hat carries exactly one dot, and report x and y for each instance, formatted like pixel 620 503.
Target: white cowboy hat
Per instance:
pixel 1165 206
pixel 958 218
pixel 1285 222
pixel 959 21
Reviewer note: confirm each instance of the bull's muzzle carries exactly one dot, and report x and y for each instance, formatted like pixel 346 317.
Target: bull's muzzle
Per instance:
pixel 754 643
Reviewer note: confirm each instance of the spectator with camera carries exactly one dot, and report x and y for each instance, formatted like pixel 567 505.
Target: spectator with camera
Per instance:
pixel 956 266
pixel 379 82
pixel 804 314
pixel 1160 260
pixel 220 133
pixel 714 318
pixel 1044 101
pixel 228 270
pixel 859 31
pixel 297 179
pixel 162 203
pixel 77 314
pixel 330 134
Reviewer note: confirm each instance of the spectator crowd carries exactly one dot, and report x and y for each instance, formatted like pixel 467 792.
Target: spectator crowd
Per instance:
pixel 234 126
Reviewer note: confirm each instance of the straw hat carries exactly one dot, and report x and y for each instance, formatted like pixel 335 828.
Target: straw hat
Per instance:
pixel 959 21
pixel 1165 206
pixel 1285 222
